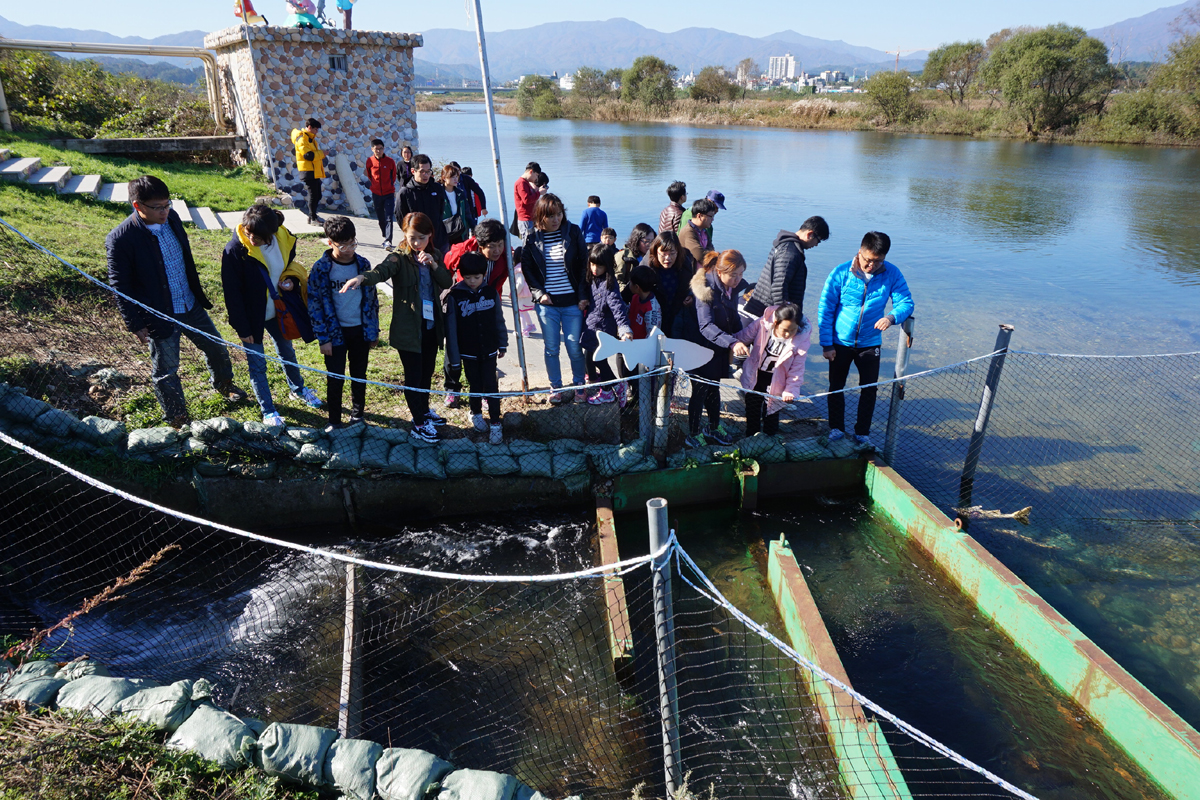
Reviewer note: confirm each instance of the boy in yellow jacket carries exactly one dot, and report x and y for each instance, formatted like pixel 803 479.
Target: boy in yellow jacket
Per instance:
pixel 310 162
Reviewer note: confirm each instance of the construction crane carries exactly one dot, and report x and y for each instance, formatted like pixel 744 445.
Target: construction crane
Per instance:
pixel 898 52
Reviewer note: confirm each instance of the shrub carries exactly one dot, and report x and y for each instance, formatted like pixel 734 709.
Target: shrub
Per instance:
pixel 891 94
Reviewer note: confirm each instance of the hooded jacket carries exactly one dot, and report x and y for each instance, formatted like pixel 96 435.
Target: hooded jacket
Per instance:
pixel 788 375
pixel 474 323
pixel 533 261
pixel 309 157
pixel 321 310
pixel 497 272
pixel 713 321
pixel 245 285
pixel 784 278
pixel 850 306
pixel 429 199
pixel 607 311
pixel 407 321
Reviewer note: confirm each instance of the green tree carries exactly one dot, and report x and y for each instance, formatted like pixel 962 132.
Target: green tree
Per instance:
pixel 650 81
pixel 537 96
pixel 712 85
pixel 891 94
pixel 1181 73
pixel 951 69
pixel 1051 77
pixel 590 84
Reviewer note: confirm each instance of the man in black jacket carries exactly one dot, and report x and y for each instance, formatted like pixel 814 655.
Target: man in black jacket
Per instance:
pixel 785 276
pixel 426 195
pixel 150 261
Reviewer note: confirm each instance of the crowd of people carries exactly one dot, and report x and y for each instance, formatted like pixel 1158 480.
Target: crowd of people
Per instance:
pixel 448 273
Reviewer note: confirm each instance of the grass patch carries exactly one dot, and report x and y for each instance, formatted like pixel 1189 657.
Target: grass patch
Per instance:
pixel 64 756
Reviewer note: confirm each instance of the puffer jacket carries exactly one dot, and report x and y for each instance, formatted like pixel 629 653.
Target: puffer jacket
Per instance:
pixel 245 285
pixel 713 321
pixel 321 309
pixel 607 312
pixel 850 306
pixel 309 157
pixel 788 375
pixel 784 277
pixel 533 261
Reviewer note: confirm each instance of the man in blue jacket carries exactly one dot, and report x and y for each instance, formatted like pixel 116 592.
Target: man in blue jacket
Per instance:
pixel 851 321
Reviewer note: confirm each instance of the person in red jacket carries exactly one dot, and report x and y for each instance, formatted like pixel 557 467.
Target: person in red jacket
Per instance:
pixel 488 240
pixel 525 197
pixel 381 171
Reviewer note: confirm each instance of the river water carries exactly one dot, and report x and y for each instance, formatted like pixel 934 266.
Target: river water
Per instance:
pixel 1085 249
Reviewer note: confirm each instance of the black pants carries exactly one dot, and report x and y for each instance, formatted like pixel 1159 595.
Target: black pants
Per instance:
pixel 418 374
pixel 867 361
pixel 385 212
pixel 314 193
pixel 481 374
pixel 357 350
pixel 599 371
pixel 452 376
pixel 704 397
pixel 756 404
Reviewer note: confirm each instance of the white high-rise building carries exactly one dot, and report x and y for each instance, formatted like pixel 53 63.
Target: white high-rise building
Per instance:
pixel 781 68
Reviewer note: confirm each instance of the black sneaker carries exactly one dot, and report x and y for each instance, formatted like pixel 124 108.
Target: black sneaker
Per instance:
pixel 432 416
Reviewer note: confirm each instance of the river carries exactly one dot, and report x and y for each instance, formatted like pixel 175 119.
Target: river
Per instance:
pixel 1085 249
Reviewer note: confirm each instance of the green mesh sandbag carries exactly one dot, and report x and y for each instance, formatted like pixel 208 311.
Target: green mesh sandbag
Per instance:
pixel 809 449
pixel 617 461
pixel 526 793
pixel 401 460
pixel 375 452
pixel 520 447
pixel 166 707
pixel 296 752
pixel 37 669
pixel 568 446
pixel 314 454
pixel 539 464
pixel 33 690
pixel 460 457
pixel 497 459
pixel 763 449
pixel 255 725
pixel 842 448
pixel 78 669
pixel 477 784
pixel 345 445
pixel 568 464
pixel 402 774
pixel 97 694
pixel 217 736
pixel 350 767
pixel 429 463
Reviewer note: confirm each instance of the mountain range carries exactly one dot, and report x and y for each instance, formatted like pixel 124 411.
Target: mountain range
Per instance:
pixel 1143 38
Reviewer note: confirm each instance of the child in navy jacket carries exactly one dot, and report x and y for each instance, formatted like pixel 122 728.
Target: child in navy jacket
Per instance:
pixel 606 312
pixel 476 338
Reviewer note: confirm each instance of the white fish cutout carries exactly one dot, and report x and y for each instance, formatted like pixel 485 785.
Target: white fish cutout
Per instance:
pixel 687 355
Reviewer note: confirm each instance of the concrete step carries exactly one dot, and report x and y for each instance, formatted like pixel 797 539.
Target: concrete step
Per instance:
pixel 180 207
pixel 114 193
pixel 4 151
pixel 19 169
pixel 51 178
pixel 82 184
pixel 206 220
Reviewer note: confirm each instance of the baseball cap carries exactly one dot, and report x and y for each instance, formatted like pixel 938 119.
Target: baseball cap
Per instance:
pixel 717 198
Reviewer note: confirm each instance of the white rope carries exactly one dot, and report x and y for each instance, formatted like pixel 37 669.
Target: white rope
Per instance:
pixel 1068 355
pixel 714 595
pixel 604 571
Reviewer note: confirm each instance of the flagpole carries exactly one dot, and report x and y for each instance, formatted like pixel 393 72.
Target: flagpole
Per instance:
pixel 512 267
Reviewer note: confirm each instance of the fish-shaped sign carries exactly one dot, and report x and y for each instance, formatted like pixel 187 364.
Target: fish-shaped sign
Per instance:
pixel 687 355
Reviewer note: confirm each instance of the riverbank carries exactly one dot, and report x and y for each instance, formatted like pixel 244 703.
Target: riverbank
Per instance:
pixel 1127 121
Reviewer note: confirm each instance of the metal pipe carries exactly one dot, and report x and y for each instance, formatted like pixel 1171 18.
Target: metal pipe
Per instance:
pixel 350 696
pixel 495 140
pixel 664 629
pixel 166 51
pixel 893 422
pixel 966 485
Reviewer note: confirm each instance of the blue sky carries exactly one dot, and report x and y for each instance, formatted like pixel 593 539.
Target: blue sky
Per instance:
pixel 884 24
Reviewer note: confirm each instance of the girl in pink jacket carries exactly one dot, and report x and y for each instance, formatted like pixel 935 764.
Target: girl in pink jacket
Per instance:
pixel 779 344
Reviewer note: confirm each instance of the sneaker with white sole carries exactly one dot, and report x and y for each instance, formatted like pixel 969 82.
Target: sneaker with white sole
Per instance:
pixel 307 395
pixel 581 396
pixel 863 442
pixel 720 434
pixel 558 397
pixel 450 400
pixel 835 434
pixel 496 434
pixel 478 423
pixel 696 440
pixel 601 397
pixel 273 421
pixel 432 416
pixel 424 432
pixel 622 394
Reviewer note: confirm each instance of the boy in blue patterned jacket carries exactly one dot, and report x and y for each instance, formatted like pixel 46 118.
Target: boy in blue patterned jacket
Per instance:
pixel 346 324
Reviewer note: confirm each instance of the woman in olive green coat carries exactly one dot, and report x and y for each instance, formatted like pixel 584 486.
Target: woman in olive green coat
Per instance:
pixel 417 331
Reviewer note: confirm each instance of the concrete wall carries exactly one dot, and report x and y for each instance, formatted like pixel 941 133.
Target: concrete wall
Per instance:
pixel 275 78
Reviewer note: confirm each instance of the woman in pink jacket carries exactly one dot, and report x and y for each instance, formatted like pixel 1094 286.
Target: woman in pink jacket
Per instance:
pixel 779 344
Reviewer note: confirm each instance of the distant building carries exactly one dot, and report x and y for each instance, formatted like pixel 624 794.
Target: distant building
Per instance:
pixel 833 76
pixel 566 82
pixel 781 68
pixel 686 80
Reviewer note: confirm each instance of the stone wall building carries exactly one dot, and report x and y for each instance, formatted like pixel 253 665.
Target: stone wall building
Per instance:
pixel 358 83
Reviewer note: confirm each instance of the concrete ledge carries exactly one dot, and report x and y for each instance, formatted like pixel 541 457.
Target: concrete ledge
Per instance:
pixel 865 760
pixel 1142 725
pixel 166 144
pixel 620 630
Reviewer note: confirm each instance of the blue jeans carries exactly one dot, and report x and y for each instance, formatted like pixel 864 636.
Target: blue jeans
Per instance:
pixel 164 360
pixel 557 323
pixel 257 363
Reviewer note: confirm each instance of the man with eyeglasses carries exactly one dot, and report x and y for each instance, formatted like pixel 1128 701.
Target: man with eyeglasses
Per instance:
pixel 426 195
pixel 150 261
pixel 851 321
pixel 785 276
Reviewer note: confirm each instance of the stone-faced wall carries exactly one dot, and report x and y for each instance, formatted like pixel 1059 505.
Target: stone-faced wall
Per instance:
pixel 276 78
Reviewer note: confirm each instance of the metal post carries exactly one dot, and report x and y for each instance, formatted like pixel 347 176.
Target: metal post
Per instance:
pixel 646 396
pixel 5 119
pixel 350 697
pixel 512 271
pixel 889 442
pixel 664 629
pixel 663 415
pixel 967 484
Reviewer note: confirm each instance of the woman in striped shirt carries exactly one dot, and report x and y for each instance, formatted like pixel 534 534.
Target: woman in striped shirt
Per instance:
pixel 554 260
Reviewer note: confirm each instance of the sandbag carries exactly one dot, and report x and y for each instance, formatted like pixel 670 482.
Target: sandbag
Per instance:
pixel 537 465
pixel 255 725
pixel 567 446
pixel 166 707
pixel 477 784
pixel 842 448
pixel 97 694
pixel 389 435
pixel 809 449
pixel 429 463
pixel 314 454
pixel 37 669
pixel 17 405
pixel 79 669
pixel 102 432
pixel 402 460
pixel 260 432
pixel 497 459
pixel 33 690
pixel 402 774
pixel 148 441
pixel 350 767
pixel 520 447
pixel 214 430
pixel 568 464
pixel 217 736
pixel 296 752
pixel 375 452
pixel 619 460
pixel 55 422
pixel 303 435
pixel 526 793
pixel 763 448
pixel 461 462
pixel 345 447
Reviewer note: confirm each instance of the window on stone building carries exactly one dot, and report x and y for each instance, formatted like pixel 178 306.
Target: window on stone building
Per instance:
pixel 337 62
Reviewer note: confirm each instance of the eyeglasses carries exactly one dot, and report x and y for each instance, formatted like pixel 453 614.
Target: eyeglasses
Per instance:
pixel 350 245
pixel 160 208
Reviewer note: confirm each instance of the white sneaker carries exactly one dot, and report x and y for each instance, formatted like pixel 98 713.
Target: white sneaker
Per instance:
pixel 478 423
pixel 273 421
pixel 835 434
pixel 424 432
pixel 308 396
pixel 497 434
